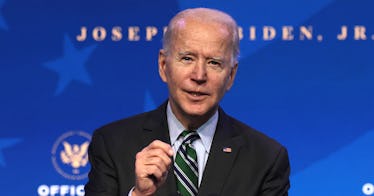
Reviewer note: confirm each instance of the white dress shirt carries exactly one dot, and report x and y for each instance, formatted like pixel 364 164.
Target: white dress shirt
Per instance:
pixel 202 145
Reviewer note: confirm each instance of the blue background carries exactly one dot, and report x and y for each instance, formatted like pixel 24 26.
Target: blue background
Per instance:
pixel 315 97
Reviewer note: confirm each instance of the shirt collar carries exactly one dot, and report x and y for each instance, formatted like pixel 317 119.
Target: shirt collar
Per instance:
pixel 205 131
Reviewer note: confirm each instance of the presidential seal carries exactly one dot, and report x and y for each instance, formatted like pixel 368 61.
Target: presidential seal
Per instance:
pixel 69 155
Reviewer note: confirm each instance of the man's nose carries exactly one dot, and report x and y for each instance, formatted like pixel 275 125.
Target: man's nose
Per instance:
pixel 199 72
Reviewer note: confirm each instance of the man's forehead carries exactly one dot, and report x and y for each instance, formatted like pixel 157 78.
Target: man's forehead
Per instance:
pixel 192 21
pixel 189 30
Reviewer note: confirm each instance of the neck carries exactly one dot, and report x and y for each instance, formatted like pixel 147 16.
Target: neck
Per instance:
pixel 192 122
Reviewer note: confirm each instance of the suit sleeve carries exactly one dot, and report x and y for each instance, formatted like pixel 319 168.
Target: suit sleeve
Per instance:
pixel 277 181
pixel 102 179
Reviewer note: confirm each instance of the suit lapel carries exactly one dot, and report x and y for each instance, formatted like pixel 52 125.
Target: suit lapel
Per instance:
pixel 225 147
pixel 156 128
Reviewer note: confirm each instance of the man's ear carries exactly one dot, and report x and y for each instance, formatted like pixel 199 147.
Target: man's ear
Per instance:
pixel 232 75
pixel 162 64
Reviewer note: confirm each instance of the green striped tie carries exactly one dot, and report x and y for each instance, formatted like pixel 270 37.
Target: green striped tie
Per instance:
pixel 185 166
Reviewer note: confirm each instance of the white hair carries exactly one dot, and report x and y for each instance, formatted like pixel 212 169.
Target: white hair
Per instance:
pixel 204 15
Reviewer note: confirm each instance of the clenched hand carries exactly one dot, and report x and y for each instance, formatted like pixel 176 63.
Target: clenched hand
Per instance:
pixel 151 167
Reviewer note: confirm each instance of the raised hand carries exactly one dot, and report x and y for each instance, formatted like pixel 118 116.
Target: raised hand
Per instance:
pixel 151 167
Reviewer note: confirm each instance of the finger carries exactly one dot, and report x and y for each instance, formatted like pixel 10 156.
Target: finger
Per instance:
pixel 150 151
pixel 159 162
pixel 154 173
pixel 158 155
pixel 154 157
pixel 157 144
pixel 160 180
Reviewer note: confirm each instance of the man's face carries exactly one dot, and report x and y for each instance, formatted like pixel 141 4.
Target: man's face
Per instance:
pixel 198 68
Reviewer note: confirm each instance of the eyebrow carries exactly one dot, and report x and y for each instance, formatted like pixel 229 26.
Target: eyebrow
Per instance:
pixel 216 58
pixel 186 53
pixel 193 54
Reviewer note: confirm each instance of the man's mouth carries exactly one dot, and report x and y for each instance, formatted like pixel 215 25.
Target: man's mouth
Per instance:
pixel 196 93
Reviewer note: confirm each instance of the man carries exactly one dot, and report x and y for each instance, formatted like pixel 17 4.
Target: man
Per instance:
pixel 188 145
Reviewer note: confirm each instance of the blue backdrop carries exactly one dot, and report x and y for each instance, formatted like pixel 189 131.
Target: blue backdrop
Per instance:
pixel 306 78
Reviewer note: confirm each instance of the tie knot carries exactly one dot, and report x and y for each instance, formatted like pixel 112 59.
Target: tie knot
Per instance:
pixel 189 136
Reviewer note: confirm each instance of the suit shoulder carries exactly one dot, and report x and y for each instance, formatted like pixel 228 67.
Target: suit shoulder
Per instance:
pixel 254 137
pixel 124 126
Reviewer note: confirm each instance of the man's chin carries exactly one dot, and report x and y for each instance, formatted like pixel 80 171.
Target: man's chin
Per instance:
pixel 199 111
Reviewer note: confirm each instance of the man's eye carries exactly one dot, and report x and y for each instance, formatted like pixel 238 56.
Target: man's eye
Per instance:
pixel 214 63
pixel 186 58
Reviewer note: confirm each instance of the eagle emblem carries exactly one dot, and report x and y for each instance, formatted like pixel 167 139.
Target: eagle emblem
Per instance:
pixel 75 155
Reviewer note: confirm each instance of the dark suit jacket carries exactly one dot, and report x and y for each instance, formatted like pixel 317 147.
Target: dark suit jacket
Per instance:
pixel 256 166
